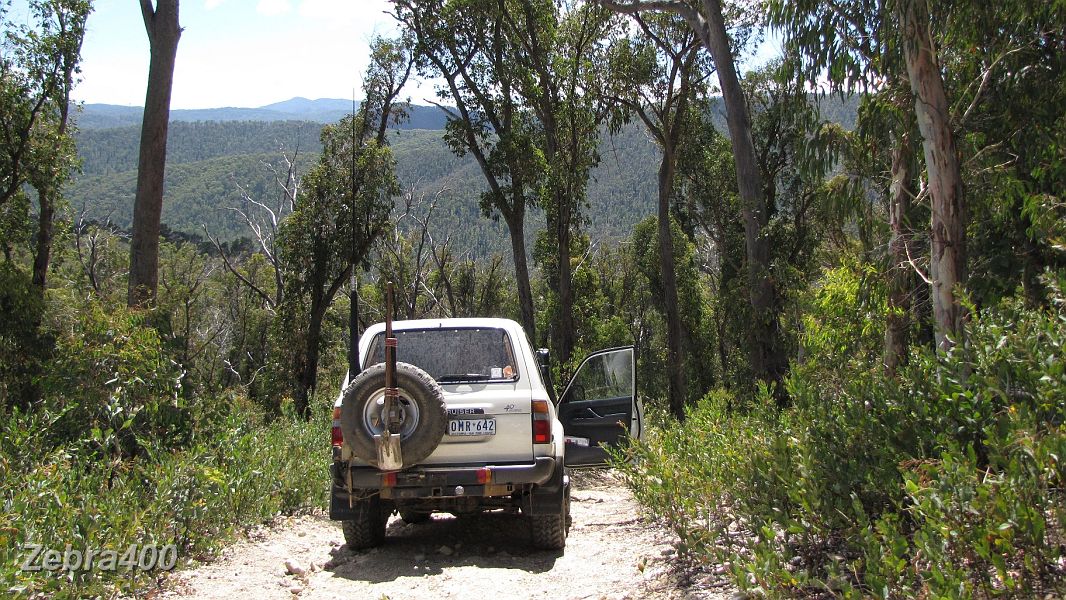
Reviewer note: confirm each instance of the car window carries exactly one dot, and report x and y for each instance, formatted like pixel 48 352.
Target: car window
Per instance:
pixel 453 355
pixel 607 375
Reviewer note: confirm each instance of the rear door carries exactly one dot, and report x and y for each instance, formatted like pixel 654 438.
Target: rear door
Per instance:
pixel 486 390
pixel 599 406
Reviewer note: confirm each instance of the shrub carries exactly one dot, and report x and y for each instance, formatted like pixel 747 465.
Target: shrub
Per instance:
pixel 109 386
pixel 945 482
pixel 239 472
pixel 22 349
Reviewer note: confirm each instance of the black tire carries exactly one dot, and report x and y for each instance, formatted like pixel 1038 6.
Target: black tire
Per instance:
pixel 414 518
pixel 421 398
pixel 367 530
pixel 548 532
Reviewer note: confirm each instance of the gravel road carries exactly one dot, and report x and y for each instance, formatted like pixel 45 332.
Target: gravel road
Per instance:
pixel 612 553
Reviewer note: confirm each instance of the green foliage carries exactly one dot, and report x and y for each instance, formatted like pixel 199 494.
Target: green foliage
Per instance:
pixel 943 483
pixel 22 347
pixel 38 60
pixel 236 471
pixel 109 384
pixel 843 323
pixel 1014 182
pixel 697 340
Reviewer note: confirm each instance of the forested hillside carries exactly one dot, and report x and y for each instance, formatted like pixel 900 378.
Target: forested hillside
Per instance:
pixel 324 110
pixel 210 162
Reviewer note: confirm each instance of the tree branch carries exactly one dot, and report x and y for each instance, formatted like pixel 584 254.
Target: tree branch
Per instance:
pixel 236 273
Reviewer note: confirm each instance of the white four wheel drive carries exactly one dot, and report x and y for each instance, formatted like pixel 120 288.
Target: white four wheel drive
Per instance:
pixel 479 425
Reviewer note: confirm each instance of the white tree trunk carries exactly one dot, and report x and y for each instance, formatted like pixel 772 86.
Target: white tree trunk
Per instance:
pixel 947 252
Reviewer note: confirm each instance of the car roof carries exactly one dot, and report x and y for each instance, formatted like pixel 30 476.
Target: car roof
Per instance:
pixel 445 323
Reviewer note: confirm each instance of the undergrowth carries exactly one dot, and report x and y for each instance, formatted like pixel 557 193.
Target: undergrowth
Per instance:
pixel 113 452
pixel 242 472
pixel 946 481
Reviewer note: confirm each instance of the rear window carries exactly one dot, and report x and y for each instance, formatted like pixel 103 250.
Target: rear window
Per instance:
pixel 453 355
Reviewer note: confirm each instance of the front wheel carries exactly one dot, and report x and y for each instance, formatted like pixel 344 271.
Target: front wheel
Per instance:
pixel 367 530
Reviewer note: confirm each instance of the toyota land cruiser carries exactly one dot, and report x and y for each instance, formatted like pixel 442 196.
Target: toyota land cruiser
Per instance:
pixel 479 426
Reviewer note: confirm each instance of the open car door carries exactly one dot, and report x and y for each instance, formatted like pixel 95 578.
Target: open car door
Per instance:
pixel 599 406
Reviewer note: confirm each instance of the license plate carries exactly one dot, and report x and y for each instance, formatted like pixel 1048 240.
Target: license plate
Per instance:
pixel 472 427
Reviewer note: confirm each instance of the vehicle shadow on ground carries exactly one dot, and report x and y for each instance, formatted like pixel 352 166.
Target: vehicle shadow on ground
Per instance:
pixel 486 541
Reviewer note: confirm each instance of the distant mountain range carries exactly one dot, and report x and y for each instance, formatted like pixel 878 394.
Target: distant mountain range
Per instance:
pixel 216 156
pixel 323 110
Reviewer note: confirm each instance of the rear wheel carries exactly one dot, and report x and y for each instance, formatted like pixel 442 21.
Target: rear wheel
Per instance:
pixel 367 530
pixel 549 531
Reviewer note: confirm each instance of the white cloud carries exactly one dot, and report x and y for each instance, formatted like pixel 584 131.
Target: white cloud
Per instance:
pixel 273 8
pixel 212 4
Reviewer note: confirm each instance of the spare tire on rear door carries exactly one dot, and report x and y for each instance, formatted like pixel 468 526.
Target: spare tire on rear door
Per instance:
pixel 423 417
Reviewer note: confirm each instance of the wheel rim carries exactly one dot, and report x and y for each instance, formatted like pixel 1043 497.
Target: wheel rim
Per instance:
pixel 372 414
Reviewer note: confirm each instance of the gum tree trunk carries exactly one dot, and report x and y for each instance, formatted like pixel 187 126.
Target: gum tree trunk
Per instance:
pixel 947 251
pixel 563 236
pixel 161 23
pixel 767 357
pixel 900 278
pixel 516 227
pixel 674 349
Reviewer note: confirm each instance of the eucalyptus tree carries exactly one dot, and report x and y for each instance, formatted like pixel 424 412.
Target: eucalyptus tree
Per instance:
pixel 39 57
pixel 64 38
pixel 342 208
pixel 853 47
pixel 659 73
pixel 789 138
pixel 947 243
pixel 38 67
pixel 866 44
pixel 467 44
pixel 560 61
pixel 1003 65
pixel 723 29
pixel 164 31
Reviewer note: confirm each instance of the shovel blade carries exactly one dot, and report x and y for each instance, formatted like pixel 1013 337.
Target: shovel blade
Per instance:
pixel 388 448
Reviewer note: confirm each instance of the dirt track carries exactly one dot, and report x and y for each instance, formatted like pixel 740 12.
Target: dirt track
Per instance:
pixel 612 552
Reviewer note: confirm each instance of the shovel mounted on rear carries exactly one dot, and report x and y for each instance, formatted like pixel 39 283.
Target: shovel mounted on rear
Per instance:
pixel 387 443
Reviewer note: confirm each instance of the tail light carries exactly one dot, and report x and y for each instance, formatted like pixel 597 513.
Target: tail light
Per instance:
pixel 542 425
pixel 335 433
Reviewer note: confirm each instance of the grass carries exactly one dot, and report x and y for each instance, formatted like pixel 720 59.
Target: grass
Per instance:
pixel 238 472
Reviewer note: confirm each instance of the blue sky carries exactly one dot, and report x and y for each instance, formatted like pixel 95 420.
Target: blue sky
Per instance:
pixel 244 53
pixel 235 52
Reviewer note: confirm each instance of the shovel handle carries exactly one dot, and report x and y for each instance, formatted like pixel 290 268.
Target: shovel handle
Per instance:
pixel 391 393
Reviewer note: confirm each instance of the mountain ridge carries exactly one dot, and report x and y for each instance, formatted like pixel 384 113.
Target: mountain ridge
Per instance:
pixel 297 108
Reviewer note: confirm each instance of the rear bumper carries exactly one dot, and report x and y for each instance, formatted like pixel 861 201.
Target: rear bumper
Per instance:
pixel 368 478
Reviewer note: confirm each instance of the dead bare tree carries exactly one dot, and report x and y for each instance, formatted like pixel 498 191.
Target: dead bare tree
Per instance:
pixel 97 253
pixel 263 221
pixel 408 252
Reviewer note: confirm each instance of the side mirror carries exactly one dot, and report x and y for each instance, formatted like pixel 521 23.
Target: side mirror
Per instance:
pixel 542 357
pixel 544 362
